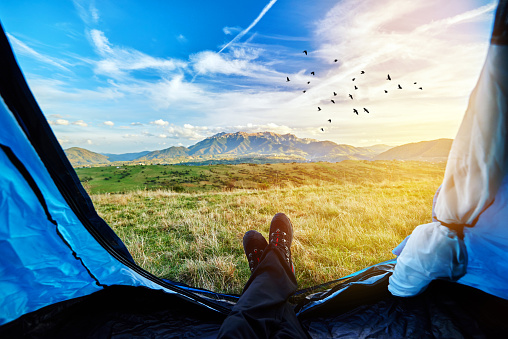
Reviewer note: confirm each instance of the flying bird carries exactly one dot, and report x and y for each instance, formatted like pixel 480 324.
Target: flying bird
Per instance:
pixel 333 101
pixel 287 79
pixel 312 73
pixel 362 72
pixel 420 88
pixel 388 78
pixel 355 111
pixel 336 60
pixel 319 108
pixel 351 96
pixel 415 82
pixel 335 94
pixel 305 52
pixel 356 87
pixel 304 91
pixel 308 82
pixel 322 129
pixel 330 120
pixel 366 110
pixel 386 91
pixel 399 86
pixel 354 79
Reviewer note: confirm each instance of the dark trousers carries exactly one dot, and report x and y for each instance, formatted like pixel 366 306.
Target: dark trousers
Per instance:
pixel 263 310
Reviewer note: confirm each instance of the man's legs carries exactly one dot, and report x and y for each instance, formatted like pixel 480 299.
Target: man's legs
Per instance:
pixel 263 311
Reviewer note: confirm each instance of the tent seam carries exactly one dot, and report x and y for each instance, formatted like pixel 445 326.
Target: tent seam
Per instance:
pixel 35 189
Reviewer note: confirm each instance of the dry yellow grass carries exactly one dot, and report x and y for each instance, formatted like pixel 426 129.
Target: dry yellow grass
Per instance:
pixel 339 228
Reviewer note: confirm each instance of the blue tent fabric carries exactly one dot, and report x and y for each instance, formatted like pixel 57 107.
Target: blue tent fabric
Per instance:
pixel 34 262
pixel 31 252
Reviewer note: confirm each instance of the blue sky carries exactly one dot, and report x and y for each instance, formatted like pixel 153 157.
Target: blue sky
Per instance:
pixel 127 76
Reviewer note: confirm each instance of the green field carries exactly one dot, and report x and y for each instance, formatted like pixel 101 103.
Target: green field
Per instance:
pixel 346 215
pixel 193 179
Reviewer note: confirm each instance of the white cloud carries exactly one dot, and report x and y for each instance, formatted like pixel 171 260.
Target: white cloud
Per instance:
pixel 60 122
pixel 87 11
pixel 239 62
pixel 94 13
pixel 63 141
pixel 163 136
pixel 109 123
pixel 168 92
pixel 474 15
pixel 116 61
pixel 159 122
pixel 80 123
pixel 188 132
pixel 231 30
pixel 131 136
pixel 136 124
pixel 52 92
pixel 89 142
pixel 389 37
pixel 101 43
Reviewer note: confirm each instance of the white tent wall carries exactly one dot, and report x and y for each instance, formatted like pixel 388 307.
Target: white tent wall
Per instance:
pixel 468 241
pixel 478 159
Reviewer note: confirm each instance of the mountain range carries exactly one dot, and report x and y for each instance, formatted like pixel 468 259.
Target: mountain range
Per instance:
pixel 269 146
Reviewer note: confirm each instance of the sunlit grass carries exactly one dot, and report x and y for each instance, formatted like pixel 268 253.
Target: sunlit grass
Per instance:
pixel 196 238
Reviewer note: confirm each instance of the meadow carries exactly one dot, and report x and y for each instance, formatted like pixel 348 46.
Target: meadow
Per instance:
pixel 346 215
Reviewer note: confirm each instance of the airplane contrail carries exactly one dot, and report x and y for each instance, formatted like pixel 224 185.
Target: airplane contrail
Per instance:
pixel 245 31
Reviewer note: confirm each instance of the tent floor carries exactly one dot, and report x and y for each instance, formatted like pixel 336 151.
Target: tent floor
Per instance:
pixel 445 310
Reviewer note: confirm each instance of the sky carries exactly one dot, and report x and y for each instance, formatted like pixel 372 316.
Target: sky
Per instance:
pixel 131 75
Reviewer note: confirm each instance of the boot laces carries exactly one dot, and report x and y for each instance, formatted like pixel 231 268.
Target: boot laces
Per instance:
pixel 279 240
pixel 254 257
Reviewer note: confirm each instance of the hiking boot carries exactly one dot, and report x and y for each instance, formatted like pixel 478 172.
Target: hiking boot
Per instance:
pixel 281 235
pixel 254 245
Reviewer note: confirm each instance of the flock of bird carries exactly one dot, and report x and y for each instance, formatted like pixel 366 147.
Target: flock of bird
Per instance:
pixel 355 111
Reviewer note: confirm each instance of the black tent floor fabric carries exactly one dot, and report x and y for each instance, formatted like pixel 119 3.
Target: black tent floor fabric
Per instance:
pixel 65 274
pixel 444 310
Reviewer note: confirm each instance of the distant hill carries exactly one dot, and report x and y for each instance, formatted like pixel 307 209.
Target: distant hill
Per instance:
pixel 125 156
pixel 168 153
pixel 80 157
pixel 434 150
pixel 244 147
pixel 380 148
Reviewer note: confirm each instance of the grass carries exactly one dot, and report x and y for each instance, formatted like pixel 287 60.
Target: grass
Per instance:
pixel 346 216
pixel 213 178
